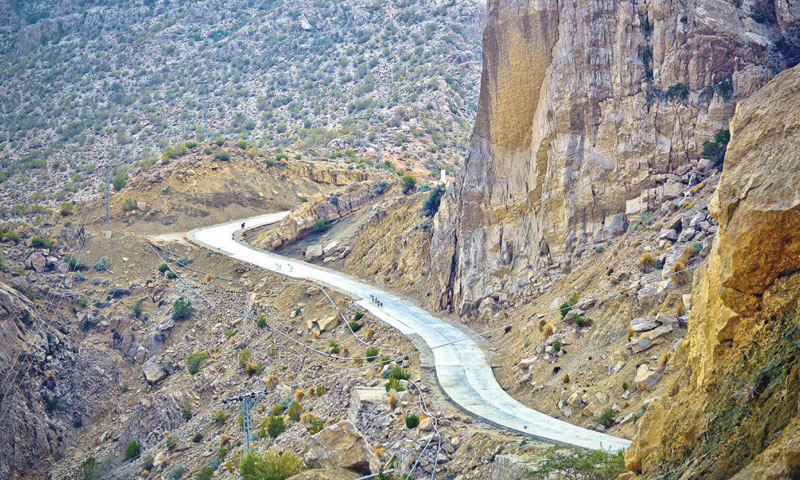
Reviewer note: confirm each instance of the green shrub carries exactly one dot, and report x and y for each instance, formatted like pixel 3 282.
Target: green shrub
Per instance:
pixel 433 201
pixel 358 315
pixel 322 225
pixel 186 410
pixel 132 450
pixel 138 308
pixel 354 326
pixel 412 421
pixel 222 155
pixel 195 361
pixel 315 425
pixel 171 443
pixel 220 418
pixel 589 464
pixel 241 143
pixel 607 417
pixel 371 354
pixel 172 275
pixel 294 411
pixel 182 309
pixel 275 426
pixel 89 470
pixel 334 347
pixel 41 242
pixel 74 264
pixel 567 306
pixel 13 237
pixel 177 473
pixel 409 184
pixel 147 462
pixel 262 321
pixel 83 302
pixel 272 466
pixel 244 358
pixel 130 205
pixel 716 150
pixel 557 344
pixel 163 267
pixel 119 181
pixel 67 209
pixel 678 91
pixel 102 264
pixel 206 473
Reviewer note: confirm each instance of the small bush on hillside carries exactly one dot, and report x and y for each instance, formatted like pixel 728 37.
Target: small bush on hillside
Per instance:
pixel 138 307
pixel 594 464
pixel 294 411
pixel 433 201
pixel 182 309
pixel 409 184
pixel 132 450
pixel 275 426
pixel 102 264
pixel 220 418
pixel 67 209
pixel 186 411
pixel 567 306
pixel 315 425
pixel 89 470
pixel 119 181
pixel 715 150
pixel 163 267
pixel 41 242
pixel 222 155
pixel 334 347
pixel 262 321
pixel 607 417
pixel 13 237
pixel 557 344
pixel 272 466
pixel 195 361
pixel 412 421
pixel 74 264
pixel 354 326
pixel 322 225
pixel 244 358
pixel 647 262
pixel 371 354
pixel 130 205
pixel 171 443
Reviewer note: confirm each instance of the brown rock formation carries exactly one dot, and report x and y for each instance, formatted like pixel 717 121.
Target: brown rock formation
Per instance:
pixel 734 412
pixel 583 107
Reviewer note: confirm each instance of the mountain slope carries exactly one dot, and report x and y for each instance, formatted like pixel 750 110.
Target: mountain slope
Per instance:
pixel 88 81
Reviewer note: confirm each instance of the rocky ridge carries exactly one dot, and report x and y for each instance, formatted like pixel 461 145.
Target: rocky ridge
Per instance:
pixel 589 115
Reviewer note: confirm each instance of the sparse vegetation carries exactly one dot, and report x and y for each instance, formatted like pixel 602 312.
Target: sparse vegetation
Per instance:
pixel 371 354
pixel 102 264
pixel 42 243
pixel 433 201
pixel 412 421
pixel 130 205
pixel 272 466
pixel 586 464
pixel 322 225
pixel 276 425
pixel 568 305
pixel 409 183
pixel 132 450
pixel 182 309
pixel 195 361
pixel 715 150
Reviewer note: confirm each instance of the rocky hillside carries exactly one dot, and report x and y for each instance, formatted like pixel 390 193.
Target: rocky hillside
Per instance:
pixel 733 411
pixel 83 82
pixel 590 115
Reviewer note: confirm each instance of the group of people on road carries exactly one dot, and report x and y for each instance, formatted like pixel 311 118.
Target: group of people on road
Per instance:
pixel 375 300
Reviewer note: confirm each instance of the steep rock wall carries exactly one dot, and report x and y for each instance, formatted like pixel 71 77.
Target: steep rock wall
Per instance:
pixel 585 106
pixel 733 413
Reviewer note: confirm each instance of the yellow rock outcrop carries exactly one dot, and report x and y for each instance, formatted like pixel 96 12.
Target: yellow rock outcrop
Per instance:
pixel 734 411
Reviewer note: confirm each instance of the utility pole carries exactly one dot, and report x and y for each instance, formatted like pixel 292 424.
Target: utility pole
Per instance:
pixel 380 143
pixel 205 115
pixel 108 201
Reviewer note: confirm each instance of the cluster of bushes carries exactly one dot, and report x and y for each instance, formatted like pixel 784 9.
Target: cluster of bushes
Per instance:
pixel 182 309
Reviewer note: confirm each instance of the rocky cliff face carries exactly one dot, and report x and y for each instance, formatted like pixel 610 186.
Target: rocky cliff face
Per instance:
pixel 733 413
pixel 590 114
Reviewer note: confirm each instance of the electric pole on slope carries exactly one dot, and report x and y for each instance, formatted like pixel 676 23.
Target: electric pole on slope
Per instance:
pixel 108 201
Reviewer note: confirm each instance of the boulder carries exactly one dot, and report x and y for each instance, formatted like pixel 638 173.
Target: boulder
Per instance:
pixel 640 344
pixel 646 379
pixel 617 225
pixel 36 262
pixel 668 234
pixel 313 252
pixel 643 324
pixel 343 446
pixel 153 372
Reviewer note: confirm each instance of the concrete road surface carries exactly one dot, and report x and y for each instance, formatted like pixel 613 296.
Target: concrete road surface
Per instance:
pixel 461 366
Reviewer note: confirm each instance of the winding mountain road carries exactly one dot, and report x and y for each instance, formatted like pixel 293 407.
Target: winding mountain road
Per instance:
pixel 462 368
